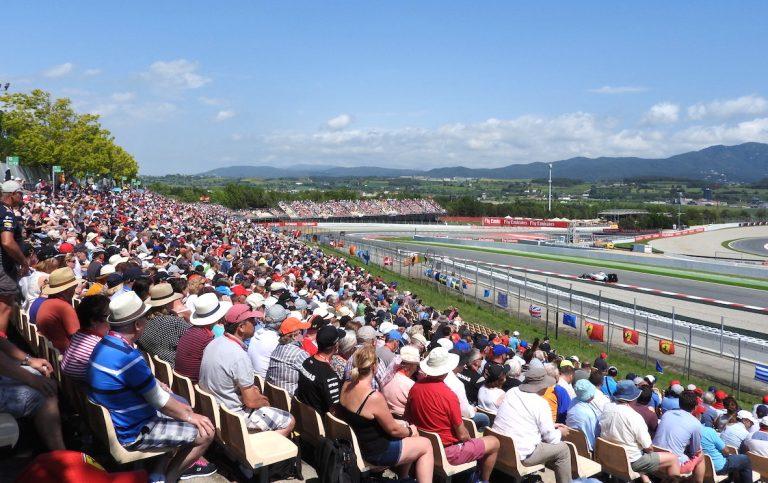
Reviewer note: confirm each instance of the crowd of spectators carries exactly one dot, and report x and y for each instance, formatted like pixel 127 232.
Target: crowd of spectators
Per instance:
pixel 301 210
pixel 223 300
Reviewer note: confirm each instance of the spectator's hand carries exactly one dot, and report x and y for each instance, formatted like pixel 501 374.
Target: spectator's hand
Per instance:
pixel 564 430
pixel 414 429
pixel 41 365
pixel 46 386
pixel 203 424
pixel 164 386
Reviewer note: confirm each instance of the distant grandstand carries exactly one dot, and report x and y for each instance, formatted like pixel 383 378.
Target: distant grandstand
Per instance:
pixel 354 210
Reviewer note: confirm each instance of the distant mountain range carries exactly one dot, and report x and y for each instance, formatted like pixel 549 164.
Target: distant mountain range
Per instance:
pixel 746 162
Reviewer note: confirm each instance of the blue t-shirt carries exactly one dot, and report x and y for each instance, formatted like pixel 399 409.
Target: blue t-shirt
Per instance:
pixel 609 386
pixel 584 417
pixel 712 445
pixel 34 308
pixel 669 403
pixel 680 433
pixel 563 403
pixel 513 343
pixel 118 377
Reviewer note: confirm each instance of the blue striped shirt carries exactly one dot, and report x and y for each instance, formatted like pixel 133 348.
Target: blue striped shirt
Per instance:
pixel 118 377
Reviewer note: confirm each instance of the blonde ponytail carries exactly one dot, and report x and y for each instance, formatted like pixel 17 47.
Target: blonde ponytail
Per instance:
pixel 362 363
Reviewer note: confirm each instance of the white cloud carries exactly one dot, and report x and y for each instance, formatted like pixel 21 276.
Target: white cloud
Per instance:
pixel 91 72
pixel 339 122
pixel 145 112
pixel 123 96
pixel 744 105
pixel 60 70
pixel 662 113
pixel 210 101
pixel 224 115
pixel 618 90
pixel 176 74
pixel 499 142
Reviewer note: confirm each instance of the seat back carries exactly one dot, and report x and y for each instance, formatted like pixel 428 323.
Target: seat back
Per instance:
pixel 183 386
pixel 579 440
pixel 278 397
pixel 337 428
pixel 508 459
pixel 32 338
pixel 441 461
pixel 614 459
pixel 759 464
pixel 104 429
pixel 208 407
pixel 259 381
pixel 163 371
pixel 710 474
pixel 54 357
pixel 149 360
pixel 308 422
pixel 234 432
pixel 471 428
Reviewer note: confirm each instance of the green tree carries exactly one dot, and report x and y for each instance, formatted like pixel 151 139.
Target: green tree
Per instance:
pixel 44 131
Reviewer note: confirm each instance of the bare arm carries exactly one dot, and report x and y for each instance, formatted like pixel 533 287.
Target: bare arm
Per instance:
pixel 382 415
pixel 11 248
pixel 182 412
pixel 253 398
pixel 461 432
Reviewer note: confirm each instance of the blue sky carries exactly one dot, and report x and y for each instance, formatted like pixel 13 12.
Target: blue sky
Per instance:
pixel 187 86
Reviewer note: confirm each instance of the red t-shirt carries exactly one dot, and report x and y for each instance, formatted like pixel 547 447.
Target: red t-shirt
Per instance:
pixel 189 351
pixel 433 407
pixel 57 321
pixel 64 466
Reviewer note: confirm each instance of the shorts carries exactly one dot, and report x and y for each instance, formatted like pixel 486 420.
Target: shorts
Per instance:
pixel 689 465
pixel 267 419
pixel 17 399
pixel 389 457
pixel 648 463
pixel 163 432
pixel 460 453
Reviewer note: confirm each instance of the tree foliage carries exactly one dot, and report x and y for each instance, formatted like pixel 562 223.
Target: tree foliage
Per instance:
pixel 44 131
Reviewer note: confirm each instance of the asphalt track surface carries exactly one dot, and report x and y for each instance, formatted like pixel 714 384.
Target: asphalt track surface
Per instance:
pixel 690 287
pixel 755 246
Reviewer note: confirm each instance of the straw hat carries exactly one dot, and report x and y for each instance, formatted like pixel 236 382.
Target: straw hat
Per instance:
pixel 116 259
pixel 208 310
pixel 125 308
pixel 439 362
pixel 162 294
pixel 60 280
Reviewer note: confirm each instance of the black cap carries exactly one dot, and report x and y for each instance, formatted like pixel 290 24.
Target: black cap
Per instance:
pixel 493 372
pixel 328 336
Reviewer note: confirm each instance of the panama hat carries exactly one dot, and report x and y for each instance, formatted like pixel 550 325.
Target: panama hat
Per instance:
pixel 162 294
pixel 208 310
pixel 60 280
pixel 439 362
pixel 410 354
pixel 115 259
pixel 125 308
pixel 255 300
pixel 536 379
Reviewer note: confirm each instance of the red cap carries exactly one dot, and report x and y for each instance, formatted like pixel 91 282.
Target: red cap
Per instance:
pixel 603 355
pixel 240 290
pixel 240 312
pixel 673 382
pixel 720 395
pixel 699 409
pixel 66 248
pixel 765 399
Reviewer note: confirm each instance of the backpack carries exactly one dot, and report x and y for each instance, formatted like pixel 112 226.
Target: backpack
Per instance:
pixel 336 462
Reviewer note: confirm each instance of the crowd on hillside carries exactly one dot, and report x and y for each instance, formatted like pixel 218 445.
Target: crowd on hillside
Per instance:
pixel 359 208
pixel 110 277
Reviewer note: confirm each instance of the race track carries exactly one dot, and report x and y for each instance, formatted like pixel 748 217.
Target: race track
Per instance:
pixel 754 246
pixel 690 287
pixel 710 243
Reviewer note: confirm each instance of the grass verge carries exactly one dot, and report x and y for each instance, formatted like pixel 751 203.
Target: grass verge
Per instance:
pixel 745 282
pixel 529 327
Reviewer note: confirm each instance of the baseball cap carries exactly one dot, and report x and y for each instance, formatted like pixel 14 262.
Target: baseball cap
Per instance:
pixel 744 414
pixel 650 378
pixel 720 395
pixel 395 335
pixel 566 363
pixel 239 290
pixel 462 346
pixel 292 324
pixel 493 372
pixel 500 350
pixel 276 313
pixel 764 421
pixel 677 389
pixel 765 399
pixel 240 312
pixel 699 409
pixel 329 335
pixel 224 290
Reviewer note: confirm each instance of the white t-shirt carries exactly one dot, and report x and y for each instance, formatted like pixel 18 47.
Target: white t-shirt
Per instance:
pixel 527 419
pixel 260 348
pixel 622 425
pixel 490 399
pixel 455 385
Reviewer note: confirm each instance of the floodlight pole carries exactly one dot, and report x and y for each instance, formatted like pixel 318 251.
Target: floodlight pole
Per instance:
pixel 549 204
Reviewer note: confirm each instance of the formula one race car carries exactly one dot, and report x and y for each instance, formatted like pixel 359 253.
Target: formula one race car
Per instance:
pixel 600 277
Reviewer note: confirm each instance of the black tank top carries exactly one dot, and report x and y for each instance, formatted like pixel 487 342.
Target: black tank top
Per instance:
pixel 371 436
